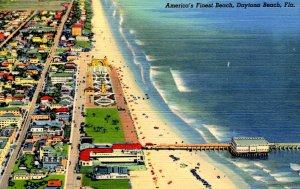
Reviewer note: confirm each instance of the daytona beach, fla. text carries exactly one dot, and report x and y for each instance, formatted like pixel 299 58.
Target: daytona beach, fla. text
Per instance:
pixel 230 5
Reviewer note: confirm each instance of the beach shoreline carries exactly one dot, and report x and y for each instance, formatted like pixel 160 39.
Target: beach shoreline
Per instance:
pixel 151 127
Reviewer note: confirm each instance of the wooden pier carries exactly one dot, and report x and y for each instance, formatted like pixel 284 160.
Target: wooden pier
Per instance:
pixel 216 146
pixel 284 146
pixel 187 147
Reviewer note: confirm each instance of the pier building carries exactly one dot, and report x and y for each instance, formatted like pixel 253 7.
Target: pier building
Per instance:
pixel 249 146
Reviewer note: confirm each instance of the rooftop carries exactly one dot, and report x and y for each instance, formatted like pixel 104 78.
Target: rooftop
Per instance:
pixel 62 75
pixel 246 141
pixel 3 142
pixel 9 109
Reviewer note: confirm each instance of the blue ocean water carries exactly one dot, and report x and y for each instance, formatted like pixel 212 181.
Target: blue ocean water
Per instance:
pixel 219 73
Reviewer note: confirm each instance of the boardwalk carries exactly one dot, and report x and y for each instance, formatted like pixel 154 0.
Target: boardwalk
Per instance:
pixel 25 126
pixel 125 116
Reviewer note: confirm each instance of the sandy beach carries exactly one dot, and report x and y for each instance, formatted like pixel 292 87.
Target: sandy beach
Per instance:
pixel 162 171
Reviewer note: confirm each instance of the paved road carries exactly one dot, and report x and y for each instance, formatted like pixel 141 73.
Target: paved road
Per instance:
pixel 79 101
pixel 14 33
pixel 13 158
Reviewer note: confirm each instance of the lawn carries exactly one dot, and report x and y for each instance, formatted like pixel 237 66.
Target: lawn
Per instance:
pixel 66 149
pixel 106 184
pixel 16 166
pixel 21 183
pixel 29 161
pixel 82 44
pixel 103 124
pixel 61 50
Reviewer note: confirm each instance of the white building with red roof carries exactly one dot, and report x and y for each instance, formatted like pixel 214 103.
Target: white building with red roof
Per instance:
pixel 117 153
pixel 47 99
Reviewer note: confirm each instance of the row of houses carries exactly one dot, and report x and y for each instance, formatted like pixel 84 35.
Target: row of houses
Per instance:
pixel 49 130
pixel 10 21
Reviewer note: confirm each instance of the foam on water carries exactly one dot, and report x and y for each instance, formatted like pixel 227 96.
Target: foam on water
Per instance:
pixel 241 164
pixel 150 58
pixel 250 170
pixel 131 31
pixel 154 73
pixel 259 178
pixel 286 179
pixel 202 134
pixel 280 174
pixel 266 170
pixel 258 164
pixel 175 109
pixel 114 13
pixel 139 42
pixel 179 81
pixel 295 167
pixel 121 20
pixel 215 131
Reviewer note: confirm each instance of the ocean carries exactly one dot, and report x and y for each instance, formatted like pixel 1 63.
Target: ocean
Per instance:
pixel 218 73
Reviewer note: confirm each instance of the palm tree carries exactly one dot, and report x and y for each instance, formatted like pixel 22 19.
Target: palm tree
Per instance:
pixel 106 119
pixel 94 114
pixel 103 130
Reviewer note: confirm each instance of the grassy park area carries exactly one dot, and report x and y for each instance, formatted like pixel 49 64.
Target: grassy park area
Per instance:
pixel 103 124
pixel 106 184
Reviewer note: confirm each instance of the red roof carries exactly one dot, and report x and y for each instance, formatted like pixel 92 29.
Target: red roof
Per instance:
pixel 54 183
pixel 85 154
pixel 10 77
pixel 62 109
pixel 46 98
pixel 2 36
pixel 127 146
pixel 77 25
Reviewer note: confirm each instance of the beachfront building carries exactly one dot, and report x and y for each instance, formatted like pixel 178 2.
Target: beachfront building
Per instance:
pixel 105 172
pixel 117 153
pixel 77 29
pixel 244 146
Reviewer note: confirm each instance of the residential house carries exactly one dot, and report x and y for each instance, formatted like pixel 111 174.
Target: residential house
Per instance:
pixel 47 100
pixel 4 146
pixel 54 184
pixel 10 110
pixel 8 132
pixel 61 78
pixel 77 29
pixel 29 148
pixel 63 114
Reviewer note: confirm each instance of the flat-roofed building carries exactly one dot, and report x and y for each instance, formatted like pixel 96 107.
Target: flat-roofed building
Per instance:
pixel 241 146
pixel 117 153
pixel 10 119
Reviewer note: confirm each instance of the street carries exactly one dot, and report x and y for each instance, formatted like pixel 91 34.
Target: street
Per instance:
pixel 79 102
